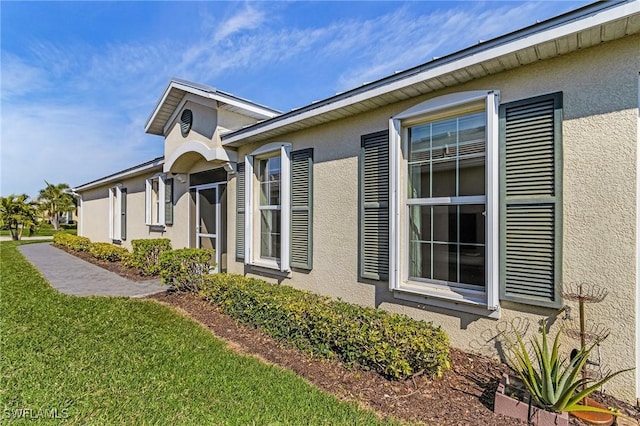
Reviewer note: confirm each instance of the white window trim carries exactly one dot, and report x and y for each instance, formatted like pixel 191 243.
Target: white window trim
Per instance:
pixel 149 219
pixel 115 232
pixel 467 300
pixel 252 256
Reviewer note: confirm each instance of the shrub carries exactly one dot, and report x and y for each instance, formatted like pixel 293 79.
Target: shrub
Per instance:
pixel 108 252
pixel 146 253
pixel 71 242
pixel 396 346
pixel 184 269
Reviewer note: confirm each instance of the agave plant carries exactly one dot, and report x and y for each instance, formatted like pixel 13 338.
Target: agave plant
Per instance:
pixel 556 384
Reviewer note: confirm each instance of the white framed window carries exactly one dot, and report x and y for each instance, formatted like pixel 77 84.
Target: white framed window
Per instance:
pixel 117 213
pixel 267 206
pixel 444 202
pixel 156 196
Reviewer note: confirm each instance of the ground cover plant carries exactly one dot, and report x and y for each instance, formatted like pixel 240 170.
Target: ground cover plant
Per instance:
pixel 125 361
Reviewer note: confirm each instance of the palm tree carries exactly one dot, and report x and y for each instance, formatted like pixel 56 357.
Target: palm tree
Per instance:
pixel 54 201
pixel 17 214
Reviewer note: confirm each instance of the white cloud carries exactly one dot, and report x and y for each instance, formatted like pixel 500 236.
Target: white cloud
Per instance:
pixel 247 19
pixel 19 78
pixel 67 143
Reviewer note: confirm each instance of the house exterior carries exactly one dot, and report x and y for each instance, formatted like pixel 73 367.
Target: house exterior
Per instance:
pixel 467 190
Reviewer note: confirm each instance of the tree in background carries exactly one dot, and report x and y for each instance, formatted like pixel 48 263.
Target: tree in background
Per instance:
pixel 17 213
pixel 54 201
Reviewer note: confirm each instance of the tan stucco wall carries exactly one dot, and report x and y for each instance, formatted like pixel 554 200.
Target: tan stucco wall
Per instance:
pixel 95 213
pixel 600 95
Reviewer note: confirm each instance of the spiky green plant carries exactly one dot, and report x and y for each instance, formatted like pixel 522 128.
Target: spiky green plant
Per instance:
pixel 556 384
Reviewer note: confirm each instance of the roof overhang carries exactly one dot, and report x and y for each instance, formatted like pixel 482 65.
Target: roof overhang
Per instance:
pixel 178 89
pixel 149 166
pixel 588 26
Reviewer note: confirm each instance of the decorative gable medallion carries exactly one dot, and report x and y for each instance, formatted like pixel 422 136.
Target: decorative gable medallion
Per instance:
pixel 186 119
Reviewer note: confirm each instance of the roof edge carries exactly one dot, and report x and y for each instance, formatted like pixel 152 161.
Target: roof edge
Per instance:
pixel 122 174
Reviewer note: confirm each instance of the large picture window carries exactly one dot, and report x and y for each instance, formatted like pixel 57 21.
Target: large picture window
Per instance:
pixel 444 207
pixel 446 199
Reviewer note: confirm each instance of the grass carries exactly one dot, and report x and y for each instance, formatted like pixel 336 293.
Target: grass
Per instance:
pixel 43 230
pixel 125 361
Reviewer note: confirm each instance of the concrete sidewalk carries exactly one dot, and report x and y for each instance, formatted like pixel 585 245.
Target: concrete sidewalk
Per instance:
pixel 71 275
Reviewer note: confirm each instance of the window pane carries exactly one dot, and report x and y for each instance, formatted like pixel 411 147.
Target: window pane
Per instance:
pixel 420 223
pixel 445 262
pixel 472 265
pixel 472 224
pixel 420 260
pixel 471 128
pixel 419 182
pixel 269 178
pixel 270 234
pixel 445 227
pixel 472 176
pixel 444 178
pixel 444 133
pixel 420 142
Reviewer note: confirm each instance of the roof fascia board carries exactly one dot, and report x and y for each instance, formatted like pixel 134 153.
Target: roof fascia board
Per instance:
pixel 189 97
pixel 519 41
pixel 134 171
pixel 172 84
pixel 250 107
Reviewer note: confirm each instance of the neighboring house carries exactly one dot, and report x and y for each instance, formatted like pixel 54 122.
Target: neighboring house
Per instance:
pixel 467 189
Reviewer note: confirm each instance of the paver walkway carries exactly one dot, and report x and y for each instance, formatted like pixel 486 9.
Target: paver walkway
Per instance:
pixel 71 275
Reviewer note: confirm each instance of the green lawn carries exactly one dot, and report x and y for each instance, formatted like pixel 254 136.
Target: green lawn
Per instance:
pixel 44 230
pixel 119 361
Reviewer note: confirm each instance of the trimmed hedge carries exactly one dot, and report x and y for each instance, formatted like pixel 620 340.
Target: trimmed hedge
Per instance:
pixel 108 252
pixel 396 346
pixel 146 254
pixel 72 242
pixel 184 269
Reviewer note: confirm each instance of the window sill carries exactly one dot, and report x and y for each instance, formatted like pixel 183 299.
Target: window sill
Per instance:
pixel 468 301
pixel 272 268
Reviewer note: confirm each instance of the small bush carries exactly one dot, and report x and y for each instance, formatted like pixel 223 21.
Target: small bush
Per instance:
pixel 71 242
pixel 108 252
pixel 396 346
pixel 146 253
pixel 184 269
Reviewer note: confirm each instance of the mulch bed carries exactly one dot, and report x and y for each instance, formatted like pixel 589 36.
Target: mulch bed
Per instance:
pixel 462 396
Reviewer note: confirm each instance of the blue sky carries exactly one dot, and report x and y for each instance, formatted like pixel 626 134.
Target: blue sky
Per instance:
pixel 79 79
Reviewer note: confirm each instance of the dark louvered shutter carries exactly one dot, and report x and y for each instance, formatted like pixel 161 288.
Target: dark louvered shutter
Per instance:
pixel 530 207
pixel 302 209
pixel 240 212
pixel 123 214
pixel 374 206
pixel 168 202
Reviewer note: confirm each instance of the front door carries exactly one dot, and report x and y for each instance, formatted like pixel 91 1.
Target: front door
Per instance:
pixel 208 223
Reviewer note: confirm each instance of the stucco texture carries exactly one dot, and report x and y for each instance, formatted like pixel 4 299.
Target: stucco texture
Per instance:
pixel 600 126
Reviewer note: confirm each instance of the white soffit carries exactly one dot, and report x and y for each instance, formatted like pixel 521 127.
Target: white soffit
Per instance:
pixel 582 28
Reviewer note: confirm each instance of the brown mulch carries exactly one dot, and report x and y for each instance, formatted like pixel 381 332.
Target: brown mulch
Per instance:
pixel 462 396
